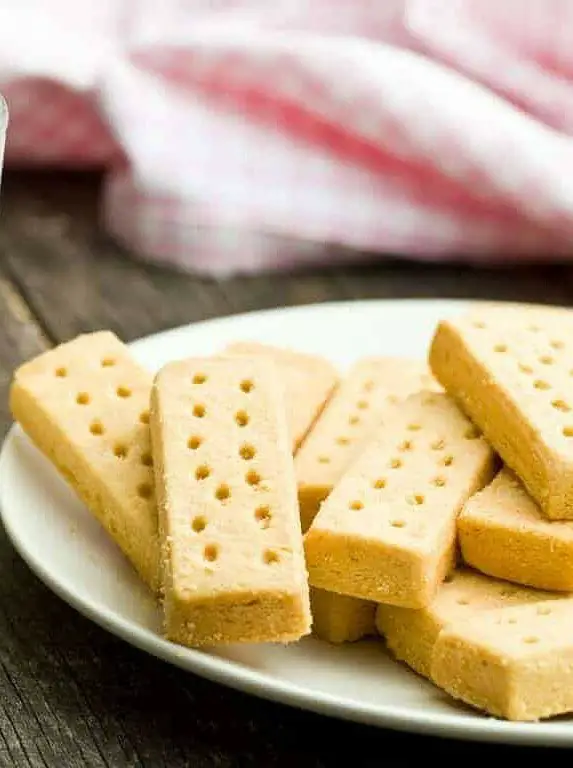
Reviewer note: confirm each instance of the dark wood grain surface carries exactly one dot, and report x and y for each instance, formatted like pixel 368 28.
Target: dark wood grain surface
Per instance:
pixel 73 695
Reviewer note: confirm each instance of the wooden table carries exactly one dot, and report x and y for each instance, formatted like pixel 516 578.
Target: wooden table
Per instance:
pixel 72 695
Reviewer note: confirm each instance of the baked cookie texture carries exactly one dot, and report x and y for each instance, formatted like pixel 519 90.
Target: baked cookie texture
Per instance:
pixel 387 532
pixel 233 566
pixel 502 532
pixel 412 634
pixel 85 405
pixel 515 663
pixel 351 417
pixel 308 380
pixel 509 369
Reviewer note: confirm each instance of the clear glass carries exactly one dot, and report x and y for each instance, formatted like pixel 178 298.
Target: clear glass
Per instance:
pixel 3 125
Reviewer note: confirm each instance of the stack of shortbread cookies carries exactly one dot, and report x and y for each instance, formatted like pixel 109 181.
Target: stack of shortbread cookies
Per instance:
pixel 262 495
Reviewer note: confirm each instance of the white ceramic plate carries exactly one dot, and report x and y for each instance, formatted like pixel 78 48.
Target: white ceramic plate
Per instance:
pixel 67 549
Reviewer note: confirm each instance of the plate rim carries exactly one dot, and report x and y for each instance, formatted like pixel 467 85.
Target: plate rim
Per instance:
pixel 234 674
pixel 331 305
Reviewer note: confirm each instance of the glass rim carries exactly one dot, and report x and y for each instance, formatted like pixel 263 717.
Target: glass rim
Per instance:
pixel 3 110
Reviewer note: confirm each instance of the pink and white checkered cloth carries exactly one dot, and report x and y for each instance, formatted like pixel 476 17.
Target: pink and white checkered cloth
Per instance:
pixel 241 135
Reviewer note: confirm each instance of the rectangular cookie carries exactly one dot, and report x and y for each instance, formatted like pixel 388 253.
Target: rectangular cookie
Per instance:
pixel 85 406
pixel 350 418
pixel 339 618
pixel 514 663
pixel 232 559
pixel 411 634
pixel 309 381
pixel 510 368
pixel 387 531
pixel 502 532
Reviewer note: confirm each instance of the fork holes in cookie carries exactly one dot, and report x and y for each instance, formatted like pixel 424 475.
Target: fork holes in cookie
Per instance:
pixel 144 417
pixel 398 523
pixel 199 378
pixel 144 491
pixel 202 472
pixel 107 362
pixel 546 360
pixel 541 384
pixel 83 398
pixel 199 524
pixel 414 427
pixel 568 431
pixel 557 344
pixel 247 386
pixel 379 484
pixel 561 405
pixel 406 445
pixel 439 481
pixel 463 601
pixel 222 492
pixel 500 348
pixel 356 505
pixel 263 516
pixel 147 459
pixel 354 420
pixel 343 440
pixel 530 640
pixel 97 428
pixel 270 557
pixel 447 461
pixel 123 392
pixel 415 500
pixel 253 478
pixel 194 442
pixel 61 373
pixel 242 418
pixel 247 452
pixel 199 410
pixel 471 433
pixel 120 450
pixel 438 445
pixel 362 405
pixel 525 368
pixel 395 463
pixel 324 460
pixel 478 324
pixel 211 553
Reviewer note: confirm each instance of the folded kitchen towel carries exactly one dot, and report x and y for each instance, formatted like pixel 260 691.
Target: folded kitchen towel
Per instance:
pixel 240 135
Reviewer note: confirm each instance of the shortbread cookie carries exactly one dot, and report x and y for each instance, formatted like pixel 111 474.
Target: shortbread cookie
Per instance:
pixel 510 370
pixel 339 618
pixel 350 418
pixel 85 405
pixel 412 634
pixel 387 531
pixel 309 381
pixel 232 558
pixel 515 663
pixel 502 532
pixel 352 415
